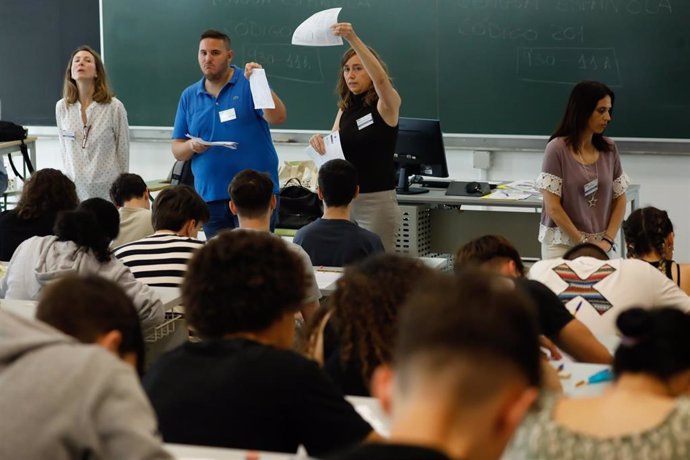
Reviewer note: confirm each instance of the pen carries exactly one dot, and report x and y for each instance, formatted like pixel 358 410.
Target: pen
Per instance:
pixel 602 376
pixel 577 308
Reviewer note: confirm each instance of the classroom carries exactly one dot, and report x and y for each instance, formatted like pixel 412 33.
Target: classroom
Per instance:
pixel 497 74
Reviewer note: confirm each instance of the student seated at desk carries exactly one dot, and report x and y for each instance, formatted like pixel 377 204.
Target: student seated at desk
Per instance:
pixel 334 240
pixel 241 386
pixel 61 399
pixel 596 290
pixel 465 372
pixel 131 196
pixel 161 259
pixel 649 236
pixel 80 245
pixel 645 414
pixel 253 202
pixel 46 193
pixel 495 254
pixel 359 333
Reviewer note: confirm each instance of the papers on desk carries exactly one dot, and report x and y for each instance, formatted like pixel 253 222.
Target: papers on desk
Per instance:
pixel 506 194
pixel 228 144
pixel 261 92
pixel 316 30
pixel 333 150
pixel 521 185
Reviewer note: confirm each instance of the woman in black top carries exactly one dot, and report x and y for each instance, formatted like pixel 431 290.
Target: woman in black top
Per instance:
pixel 367 120
pixel 45 194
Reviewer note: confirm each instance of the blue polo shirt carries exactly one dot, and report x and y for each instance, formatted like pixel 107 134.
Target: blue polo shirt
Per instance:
pixel 199 114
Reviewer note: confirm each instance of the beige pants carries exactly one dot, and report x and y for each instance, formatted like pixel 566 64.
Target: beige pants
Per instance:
pixel 553 251
pixel 379 212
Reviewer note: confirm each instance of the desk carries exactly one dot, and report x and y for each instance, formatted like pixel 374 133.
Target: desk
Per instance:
pixel 186 452
pixel 578 372
pixel 436 223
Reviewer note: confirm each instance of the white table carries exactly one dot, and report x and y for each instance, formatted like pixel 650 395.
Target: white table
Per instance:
pixel 579 372
pixel 186 452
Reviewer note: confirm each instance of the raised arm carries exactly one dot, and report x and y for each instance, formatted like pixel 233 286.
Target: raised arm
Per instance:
pixel 389 99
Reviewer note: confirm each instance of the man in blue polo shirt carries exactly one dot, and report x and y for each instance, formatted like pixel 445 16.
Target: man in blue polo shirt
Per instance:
pixel 219 107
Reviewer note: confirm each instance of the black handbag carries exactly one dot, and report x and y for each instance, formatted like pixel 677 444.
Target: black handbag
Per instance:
pixel 12 132
pixel 299 206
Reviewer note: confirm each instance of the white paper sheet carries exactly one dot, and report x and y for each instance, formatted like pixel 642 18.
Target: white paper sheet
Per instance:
pixel 333 150
pixel 316 30
pixel 261 92
pixel 506 195
pixel 228 144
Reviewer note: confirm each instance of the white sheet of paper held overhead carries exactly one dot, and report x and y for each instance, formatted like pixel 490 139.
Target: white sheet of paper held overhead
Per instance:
pixel 261 92
pixel 228 144
pixel 316 30
pixel 333 150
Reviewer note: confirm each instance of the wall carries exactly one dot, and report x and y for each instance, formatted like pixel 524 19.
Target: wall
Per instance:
pixel 663 178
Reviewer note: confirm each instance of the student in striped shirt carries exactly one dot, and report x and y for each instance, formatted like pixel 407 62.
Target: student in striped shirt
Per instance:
pixel 161 259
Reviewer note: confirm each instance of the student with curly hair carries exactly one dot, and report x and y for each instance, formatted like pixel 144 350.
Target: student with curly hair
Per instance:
pixel 360 332
pixel 644 414
pixel 45 194
pixel 649 236
pixel 242 386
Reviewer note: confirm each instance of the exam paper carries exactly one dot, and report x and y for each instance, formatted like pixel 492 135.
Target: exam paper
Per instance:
pixel 316 30
pixel 228 144
pixel 333 150
pixel 261 93
pixel 507 194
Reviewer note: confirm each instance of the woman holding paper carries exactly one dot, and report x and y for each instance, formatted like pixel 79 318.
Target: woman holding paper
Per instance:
pixel 582 180
pixel 367 122
pixel 92 126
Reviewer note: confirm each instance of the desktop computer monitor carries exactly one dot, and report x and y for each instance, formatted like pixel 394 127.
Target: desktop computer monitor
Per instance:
pixel 419 151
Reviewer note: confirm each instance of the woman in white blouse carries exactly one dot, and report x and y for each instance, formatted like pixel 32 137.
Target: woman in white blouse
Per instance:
pixel 92 126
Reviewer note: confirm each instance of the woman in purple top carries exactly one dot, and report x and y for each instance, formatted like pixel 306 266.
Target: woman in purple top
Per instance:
pixel 581 178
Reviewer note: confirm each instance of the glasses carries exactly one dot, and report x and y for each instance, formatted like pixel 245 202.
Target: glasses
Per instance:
pixel 85 137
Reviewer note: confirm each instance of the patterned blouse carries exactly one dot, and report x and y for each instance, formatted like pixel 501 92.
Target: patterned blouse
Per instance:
pixel 95 154
pixel 564 176
pixel 541 437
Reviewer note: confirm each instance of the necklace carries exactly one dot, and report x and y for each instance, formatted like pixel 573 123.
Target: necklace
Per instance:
pixel 592 196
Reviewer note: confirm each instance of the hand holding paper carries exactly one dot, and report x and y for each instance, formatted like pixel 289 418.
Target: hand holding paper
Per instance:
pixel 333 150
pixel 261 92
pixel 228 144
pixel 316 30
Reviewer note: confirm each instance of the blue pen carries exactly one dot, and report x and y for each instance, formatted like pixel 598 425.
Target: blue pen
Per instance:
pixel 602 376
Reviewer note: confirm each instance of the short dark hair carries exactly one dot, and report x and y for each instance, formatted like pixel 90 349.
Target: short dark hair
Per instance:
pixel 337 182
pixel 478 321
pixel 655 342
pixel 217 34
pixel 86 307
pixel 251 192
pixel 126 187
pixel 586 250
pixel 176 205
pixel 485 249
pixel 242 281
pixel 48 191
pixel 93 225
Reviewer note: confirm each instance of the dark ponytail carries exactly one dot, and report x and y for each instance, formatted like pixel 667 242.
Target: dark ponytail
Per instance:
pixel 655 342
pixel 94 225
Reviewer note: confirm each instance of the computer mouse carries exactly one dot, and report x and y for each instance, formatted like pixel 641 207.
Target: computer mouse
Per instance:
pixel 473 187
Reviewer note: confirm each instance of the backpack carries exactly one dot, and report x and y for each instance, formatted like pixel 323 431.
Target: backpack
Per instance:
pixel 299 206
pixel 182 173
pixel 12 132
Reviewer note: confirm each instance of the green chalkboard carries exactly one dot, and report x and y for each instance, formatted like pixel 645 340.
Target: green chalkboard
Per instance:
pixel 481 66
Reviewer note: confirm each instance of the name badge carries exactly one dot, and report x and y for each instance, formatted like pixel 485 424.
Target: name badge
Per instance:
pixel 68 134
pixel 366 120
pixel 227 115
pixel 591 187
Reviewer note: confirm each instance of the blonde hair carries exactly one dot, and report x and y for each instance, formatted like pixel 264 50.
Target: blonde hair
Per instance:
pixel 102 93
pixel 344 93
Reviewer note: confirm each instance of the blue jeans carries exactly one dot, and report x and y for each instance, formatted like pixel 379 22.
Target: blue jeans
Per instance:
pixel 221 218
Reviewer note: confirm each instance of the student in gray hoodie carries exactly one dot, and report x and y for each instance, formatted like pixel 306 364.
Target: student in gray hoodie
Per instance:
pixel 80 245
pixel 60 399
